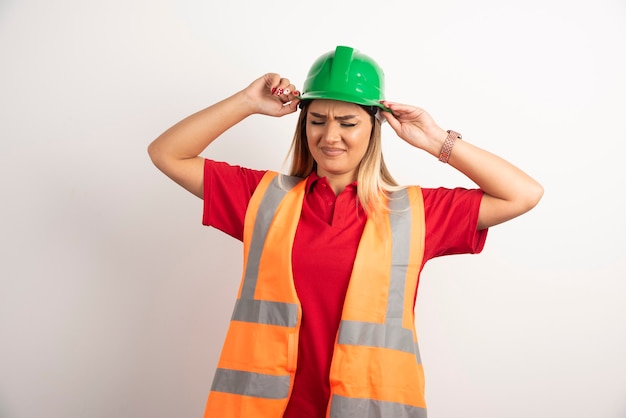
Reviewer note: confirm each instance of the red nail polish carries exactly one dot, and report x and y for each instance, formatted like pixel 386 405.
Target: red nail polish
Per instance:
pixel 273 90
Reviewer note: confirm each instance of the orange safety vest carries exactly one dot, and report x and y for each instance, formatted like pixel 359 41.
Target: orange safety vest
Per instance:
pixel 376 370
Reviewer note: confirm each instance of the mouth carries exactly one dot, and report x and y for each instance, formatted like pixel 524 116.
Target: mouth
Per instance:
pixel 332 152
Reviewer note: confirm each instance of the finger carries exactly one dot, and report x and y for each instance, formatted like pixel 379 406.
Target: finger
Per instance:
pixel 271 80
pixel 291 106
pixel 389 105
pixel 395 110
pixel 393 121
pixel 389 116
pixel 399 108
pixel 282 85
pixel 290 92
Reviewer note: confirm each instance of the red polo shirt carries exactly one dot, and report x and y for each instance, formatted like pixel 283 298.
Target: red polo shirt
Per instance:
pixel 324 249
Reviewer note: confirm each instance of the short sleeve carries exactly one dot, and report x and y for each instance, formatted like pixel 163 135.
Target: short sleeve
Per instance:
pixel 227 191
pixel 451 217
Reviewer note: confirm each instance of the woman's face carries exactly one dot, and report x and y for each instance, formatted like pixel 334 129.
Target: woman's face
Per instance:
pixel 338 135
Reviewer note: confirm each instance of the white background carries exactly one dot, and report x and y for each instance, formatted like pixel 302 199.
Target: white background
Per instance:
pixel 114 300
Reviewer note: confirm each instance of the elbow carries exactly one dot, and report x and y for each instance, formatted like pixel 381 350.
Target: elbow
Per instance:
pixel 537 194
pixel 160 158
pixel 527 198
pixel 155 156
pixel 494 210
pixel 532 196
pixel 151 151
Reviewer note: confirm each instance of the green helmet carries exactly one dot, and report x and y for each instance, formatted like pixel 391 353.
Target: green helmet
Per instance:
pixel 345 74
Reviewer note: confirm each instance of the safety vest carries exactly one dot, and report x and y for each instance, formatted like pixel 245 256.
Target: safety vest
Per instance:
pixel 376 370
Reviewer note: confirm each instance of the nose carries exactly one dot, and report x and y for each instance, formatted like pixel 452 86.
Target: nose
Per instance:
pixel 331 133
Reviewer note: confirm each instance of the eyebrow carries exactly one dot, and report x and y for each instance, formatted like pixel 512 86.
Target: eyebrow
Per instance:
pixel 346 117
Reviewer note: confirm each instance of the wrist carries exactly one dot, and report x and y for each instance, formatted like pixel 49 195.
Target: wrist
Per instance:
pixel 244 104
pixel 448 145
pixel 436 139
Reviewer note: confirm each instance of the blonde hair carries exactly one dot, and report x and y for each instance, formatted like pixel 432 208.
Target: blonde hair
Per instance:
pixel 373 178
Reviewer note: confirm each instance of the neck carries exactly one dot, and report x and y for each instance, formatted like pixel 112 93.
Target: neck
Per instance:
pixel 337 182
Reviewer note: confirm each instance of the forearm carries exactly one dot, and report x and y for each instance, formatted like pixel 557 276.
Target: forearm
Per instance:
pixel 189 137
pixel 176 152
pixel 494 175
pixel 509 191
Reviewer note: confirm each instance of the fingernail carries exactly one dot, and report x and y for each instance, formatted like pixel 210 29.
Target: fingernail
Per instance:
pixel 279 92
pixel 286 91
pixel 273 90
pixel 296 93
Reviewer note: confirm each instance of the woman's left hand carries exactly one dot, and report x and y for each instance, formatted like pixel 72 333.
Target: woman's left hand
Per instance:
pixel 415 126
pixel 509 192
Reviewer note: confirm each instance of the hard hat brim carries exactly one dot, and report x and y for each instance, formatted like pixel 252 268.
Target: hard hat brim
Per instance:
pixel 312 95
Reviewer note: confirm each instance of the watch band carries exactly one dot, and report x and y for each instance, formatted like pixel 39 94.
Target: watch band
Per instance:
pixel 446 150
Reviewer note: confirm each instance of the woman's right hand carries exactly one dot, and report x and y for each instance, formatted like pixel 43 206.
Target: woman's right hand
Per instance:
pixel 272 95
pixel 176 152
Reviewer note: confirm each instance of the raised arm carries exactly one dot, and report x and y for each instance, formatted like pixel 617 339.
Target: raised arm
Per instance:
pixel 509 192
pixel 176 152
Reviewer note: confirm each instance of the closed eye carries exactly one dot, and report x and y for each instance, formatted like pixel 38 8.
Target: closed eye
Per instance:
pixel 344 124
pixel 344 120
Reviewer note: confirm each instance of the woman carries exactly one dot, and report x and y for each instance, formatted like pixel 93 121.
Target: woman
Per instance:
pixel 324 323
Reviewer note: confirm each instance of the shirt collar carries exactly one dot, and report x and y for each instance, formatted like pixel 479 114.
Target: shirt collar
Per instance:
pixel 314 179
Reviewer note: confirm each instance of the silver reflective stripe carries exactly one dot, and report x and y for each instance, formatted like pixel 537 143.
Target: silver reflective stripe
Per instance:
pixel 391 334
pixel 266 312
pixel 271 199
pixel 251 384
pixel 248 309
pixel 378 335
pixel 342 407
pixel 400 220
